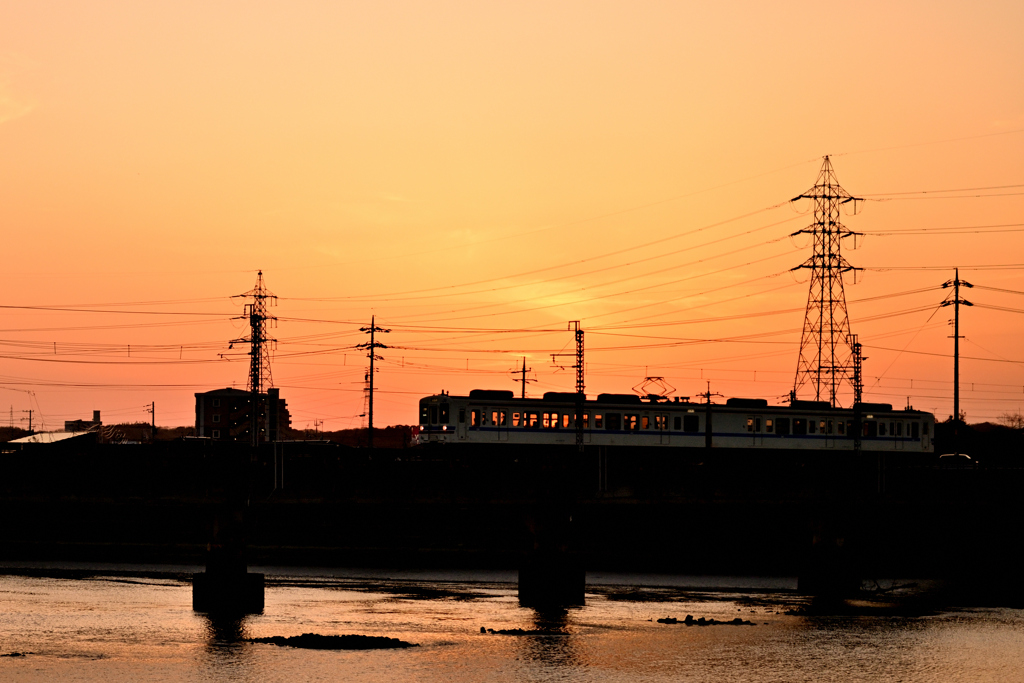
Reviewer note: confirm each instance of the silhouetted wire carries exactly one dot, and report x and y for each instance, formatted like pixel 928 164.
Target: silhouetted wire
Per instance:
pixel 557 266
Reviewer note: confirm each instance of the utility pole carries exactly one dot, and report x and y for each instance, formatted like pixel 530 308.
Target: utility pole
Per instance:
pixel 823 362
pixel 371 353
pixel 151 409
pixel 260 377
pixel 956 302
pixel 522 371
pixel 29 411
pixel 708 431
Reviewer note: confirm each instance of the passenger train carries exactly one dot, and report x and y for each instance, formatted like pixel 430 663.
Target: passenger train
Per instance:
pixel 626 420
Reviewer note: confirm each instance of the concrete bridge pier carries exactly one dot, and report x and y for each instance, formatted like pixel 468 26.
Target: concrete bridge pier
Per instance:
pixel 227 586
pixel 829 566
pixel 551 571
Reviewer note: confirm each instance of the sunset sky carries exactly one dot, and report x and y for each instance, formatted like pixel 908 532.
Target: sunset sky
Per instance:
pixel 476 175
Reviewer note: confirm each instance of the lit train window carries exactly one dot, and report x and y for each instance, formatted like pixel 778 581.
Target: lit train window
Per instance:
pixel 586 420
pixel 474 417
pixel 821 427
pixel 515 419
pixel 533 420
pixel 504 418
pixel 661 422
pixel 645 422
pixel 494 417
pixel 598 421
pixel 768 425
pixel 565 420
pixel 631 422
pixel 750 424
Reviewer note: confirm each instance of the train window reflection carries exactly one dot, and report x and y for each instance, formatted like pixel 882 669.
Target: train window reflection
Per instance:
pixel 646 422
pixel 630 422
pixel 474 418
pixel 515 419
pixel 598 421
pixel 532 419
pixel 661 422
pixel 565 421
pixel 504 418
pixel 768 425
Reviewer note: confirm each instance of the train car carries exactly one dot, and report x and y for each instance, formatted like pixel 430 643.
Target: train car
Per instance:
pixel 625 420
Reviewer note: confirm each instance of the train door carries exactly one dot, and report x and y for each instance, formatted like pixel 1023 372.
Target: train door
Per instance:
pixel 499 421
pixel 898 435
pixel 460 425
pixel 754 429
pixel 828 428
pixel 661 424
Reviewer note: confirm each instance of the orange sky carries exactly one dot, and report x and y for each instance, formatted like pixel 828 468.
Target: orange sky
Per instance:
pixel 379 158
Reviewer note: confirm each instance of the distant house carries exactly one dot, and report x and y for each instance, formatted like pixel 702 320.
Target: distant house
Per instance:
pixel 225 415
pixel 84 425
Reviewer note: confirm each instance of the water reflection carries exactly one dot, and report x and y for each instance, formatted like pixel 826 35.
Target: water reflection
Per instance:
pixel 552 650
pixel 224 629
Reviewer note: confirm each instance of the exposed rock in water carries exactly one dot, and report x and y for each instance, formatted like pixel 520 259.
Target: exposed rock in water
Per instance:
pixel 690 621
pixel 315 641
pixel 521 632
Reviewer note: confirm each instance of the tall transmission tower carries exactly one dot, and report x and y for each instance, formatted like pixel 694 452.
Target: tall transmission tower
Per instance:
pixel 826 356
pixel 371 353
pixel 260 345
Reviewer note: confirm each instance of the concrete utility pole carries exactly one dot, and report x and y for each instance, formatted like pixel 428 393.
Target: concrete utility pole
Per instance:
pixel 371 353
pixel 956 302
pixel 522 371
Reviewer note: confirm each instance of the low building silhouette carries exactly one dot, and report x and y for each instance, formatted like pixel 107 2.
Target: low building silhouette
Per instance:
pixel 84 425
pixel 225 415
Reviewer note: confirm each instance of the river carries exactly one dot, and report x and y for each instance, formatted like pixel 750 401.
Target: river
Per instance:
pixel 100 624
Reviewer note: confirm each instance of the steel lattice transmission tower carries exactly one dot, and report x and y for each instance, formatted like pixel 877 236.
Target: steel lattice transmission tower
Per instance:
pixel 260 344
pixel 827 358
